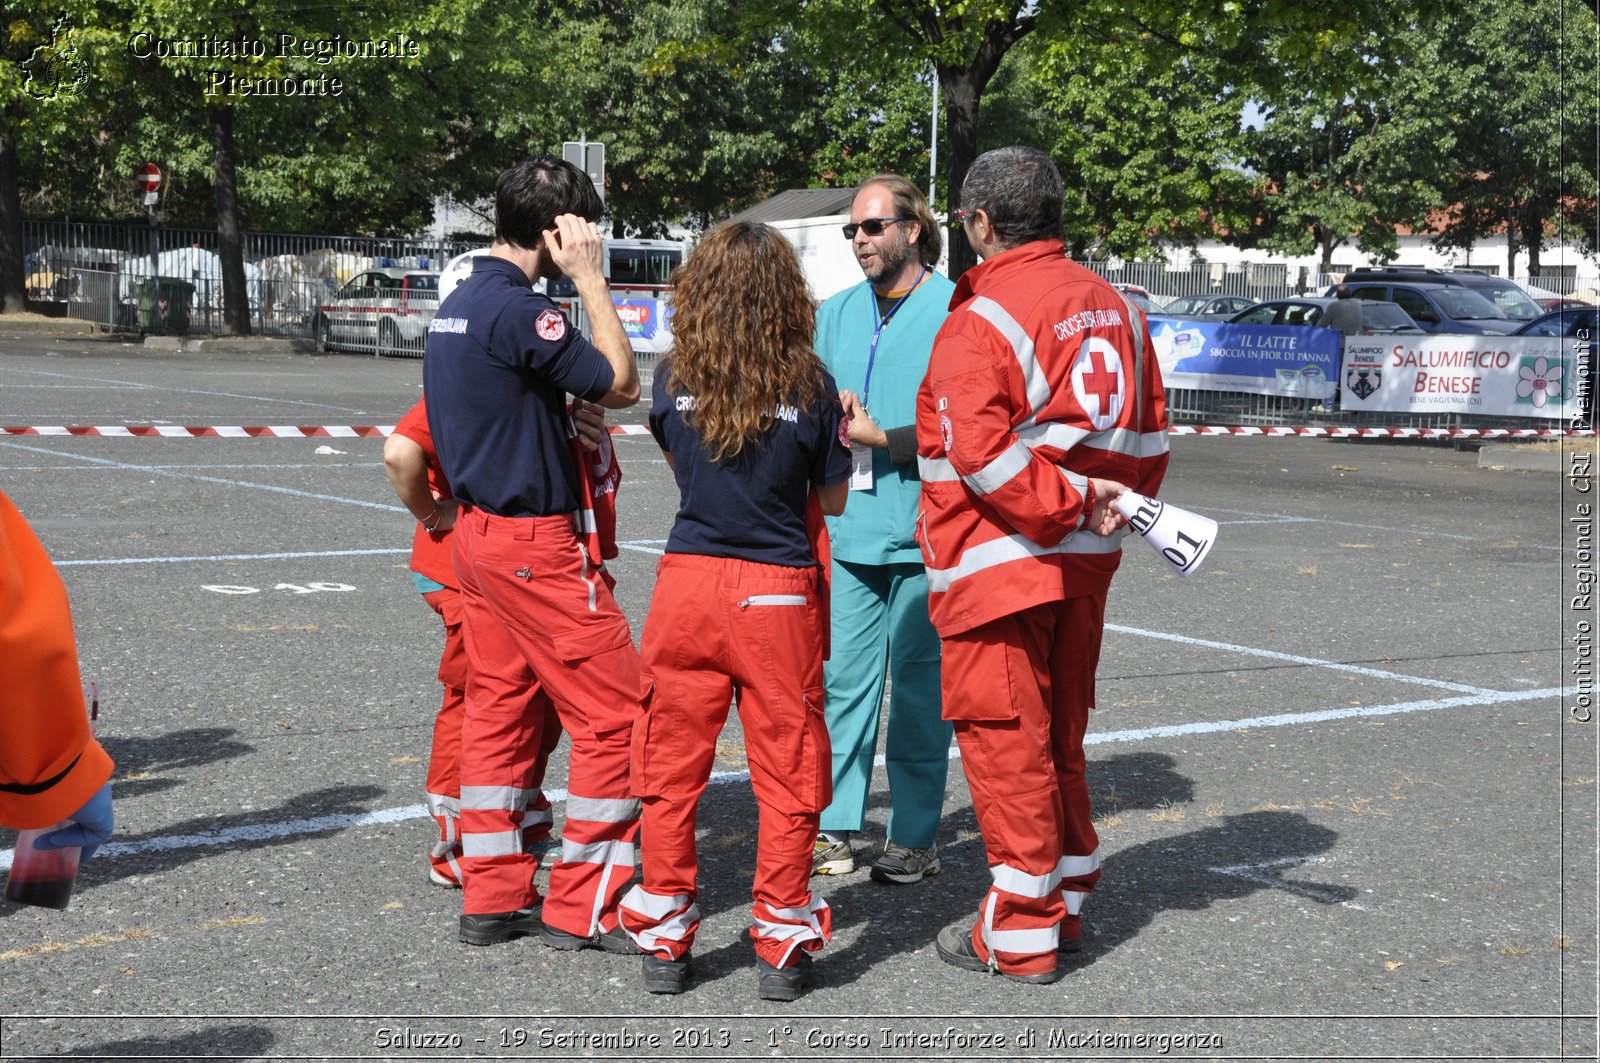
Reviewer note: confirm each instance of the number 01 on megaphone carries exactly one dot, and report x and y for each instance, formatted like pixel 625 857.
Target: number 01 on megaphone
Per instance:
pixel 1183 539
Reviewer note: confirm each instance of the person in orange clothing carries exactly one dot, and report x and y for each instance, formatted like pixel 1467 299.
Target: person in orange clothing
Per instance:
pixel 413 471
pixel 750 423
pixel 1041 406
pixel 51 768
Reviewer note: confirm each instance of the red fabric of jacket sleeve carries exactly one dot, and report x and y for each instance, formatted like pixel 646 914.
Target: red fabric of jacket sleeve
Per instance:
pixel 976 396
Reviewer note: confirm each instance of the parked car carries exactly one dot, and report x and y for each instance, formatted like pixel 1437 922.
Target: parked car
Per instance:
pixel 384 310
pixel 1442 308
pixel 1206 307
pixel 1308 310
pixel 1140 296
pixel 1559 302
pixel 1513 302
pixel 1567 321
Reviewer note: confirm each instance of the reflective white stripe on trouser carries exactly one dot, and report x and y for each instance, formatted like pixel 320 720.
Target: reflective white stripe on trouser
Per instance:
pixel 583 556
pixel 610 855
pixel 1015 548
pixel 1035 383
pixel 440 805
pixel 1074 900
pixel 1026 942
pixel 535 817
pixel 603 809
pixel 496 843
pixel 800 924
pixel 673 928
pixel 773 599
pixel 1078 866
pixel 1014 880
pixel 495 798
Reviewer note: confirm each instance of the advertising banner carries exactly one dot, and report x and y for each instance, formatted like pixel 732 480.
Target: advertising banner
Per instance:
pixel 1509 376
pixel 1288 360
pixel 648 323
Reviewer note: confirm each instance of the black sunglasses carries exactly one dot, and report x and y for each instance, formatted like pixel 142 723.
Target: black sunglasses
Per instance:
pixel 870 226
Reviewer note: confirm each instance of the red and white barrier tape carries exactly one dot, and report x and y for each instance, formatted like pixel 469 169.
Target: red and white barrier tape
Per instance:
pixel 336 431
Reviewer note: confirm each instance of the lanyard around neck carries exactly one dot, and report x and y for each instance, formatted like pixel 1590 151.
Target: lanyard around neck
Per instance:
pixel 877 331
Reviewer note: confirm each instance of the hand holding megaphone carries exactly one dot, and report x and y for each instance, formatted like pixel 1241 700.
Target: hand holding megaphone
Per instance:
pixel 1181 538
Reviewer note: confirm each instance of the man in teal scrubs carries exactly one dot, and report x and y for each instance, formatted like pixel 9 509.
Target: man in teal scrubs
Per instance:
pixel 875 339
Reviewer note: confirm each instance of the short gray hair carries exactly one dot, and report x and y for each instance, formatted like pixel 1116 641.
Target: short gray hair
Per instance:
pixel 1019 188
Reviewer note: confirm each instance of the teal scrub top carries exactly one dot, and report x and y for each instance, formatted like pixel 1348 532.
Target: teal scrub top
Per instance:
pixel 878 526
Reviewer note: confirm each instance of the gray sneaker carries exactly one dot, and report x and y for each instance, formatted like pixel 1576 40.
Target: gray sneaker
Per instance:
pixel 832 858
pixel 903 865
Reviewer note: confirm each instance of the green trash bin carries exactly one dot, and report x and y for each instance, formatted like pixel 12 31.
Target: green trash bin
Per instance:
pixel 164 305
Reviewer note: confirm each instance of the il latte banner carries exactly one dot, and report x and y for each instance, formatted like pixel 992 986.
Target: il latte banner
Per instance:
pixel 1507 376
pixel 1287 360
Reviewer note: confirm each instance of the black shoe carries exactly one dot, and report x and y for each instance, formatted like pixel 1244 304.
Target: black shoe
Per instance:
pixel 954 945
pixel 666 976
pixel 500 926
pixel 784 983
pixel 614 941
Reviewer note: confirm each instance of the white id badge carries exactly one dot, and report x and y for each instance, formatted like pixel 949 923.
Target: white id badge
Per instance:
pixel 860 467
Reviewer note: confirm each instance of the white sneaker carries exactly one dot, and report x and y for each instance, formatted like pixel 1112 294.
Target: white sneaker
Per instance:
pixel 832 858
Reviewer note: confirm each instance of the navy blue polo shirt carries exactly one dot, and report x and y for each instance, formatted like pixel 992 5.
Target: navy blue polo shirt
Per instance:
pixel 499 364
pixel 752 506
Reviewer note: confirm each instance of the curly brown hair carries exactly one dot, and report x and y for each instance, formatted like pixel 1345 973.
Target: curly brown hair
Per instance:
pixel 742 327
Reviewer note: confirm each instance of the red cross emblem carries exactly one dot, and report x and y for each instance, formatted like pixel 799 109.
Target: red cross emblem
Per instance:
pixel 1097 379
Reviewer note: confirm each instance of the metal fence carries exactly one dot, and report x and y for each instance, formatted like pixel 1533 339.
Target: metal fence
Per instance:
pixel 1268 280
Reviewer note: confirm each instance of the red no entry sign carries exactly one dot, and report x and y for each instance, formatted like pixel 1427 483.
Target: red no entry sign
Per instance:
pixel 149 177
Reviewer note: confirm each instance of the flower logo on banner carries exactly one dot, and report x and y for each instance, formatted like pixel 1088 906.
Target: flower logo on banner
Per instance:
pixel 1539 382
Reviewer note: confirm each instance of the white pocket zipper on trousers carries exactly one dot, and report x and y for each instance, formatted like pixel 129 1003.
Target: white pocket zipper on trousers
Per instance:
pixel 773 599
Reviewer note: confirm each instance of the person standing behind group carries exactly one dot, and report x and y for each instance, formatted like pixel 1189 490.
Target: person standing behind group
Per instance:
pixel 876 337
pixel 536 607
pixel 750 423
pixel 1042 401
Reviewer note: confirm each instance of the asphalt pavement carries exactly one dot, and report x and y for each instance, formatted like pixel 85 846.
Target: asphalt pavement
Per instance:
pixel 1344 784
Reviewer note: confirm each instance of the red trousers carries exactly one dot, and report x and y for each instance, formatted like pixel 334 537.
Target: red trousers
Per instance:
pixel 443 784
pixel 537 615
pixel 717 628
pixel 1019 690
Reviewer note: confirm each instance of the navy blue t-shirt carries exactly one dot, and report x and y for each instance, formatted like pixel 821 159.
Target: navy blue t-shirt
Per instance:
pixel 751 506
pixel 499 363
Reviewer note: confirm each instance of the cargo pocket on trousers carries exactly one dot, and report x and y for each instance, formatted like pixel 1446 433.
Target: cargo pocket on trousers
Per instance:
pixel 645 750
pixel 609 649
pixel 810 782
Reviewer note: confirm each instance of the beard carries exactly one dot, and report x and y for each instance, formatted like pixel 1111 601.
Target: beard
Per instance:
pixel 890 258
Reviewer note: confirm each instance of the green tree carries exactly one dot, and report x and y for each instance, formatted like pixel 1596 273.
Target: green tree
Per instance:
pixel 1525 161
pixel 1148 140
pixel 1348 150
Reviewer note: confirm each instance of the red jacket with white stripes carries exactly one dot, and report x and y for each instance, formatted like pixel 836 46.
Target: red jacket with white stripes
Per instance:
pixel 1041 377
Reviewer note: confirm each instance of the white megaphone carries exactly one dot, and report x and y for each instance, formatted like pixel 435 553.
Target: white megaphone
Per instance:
pixel 1181 538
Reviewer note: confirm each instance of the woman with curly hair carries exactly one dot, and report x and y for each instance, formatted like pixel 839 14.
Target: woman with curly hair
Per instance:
pixel 749 422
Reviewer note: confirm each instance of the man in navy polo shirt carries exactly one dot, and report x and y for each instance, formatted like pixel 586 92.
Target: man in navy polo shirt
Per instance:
pixel 537 612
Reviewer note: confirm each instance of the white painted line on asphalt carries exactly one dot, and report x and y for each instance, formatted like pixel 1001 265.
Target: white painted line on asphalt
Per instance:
pixel 1291 719
pixel 323 824
pixel 286 555
pixel 638 545
pixel 164 471
pixel 1292 658
pixel 138 386
pixel 1421 533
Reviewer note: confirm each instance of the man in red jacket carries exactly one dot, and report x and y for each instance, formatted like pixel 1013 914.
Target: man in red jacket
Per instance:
pixel 1041 405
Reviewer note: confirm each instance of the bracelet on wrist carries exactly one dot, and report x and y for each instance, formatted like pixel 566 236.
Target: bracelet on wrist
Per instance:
pixel 430 523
